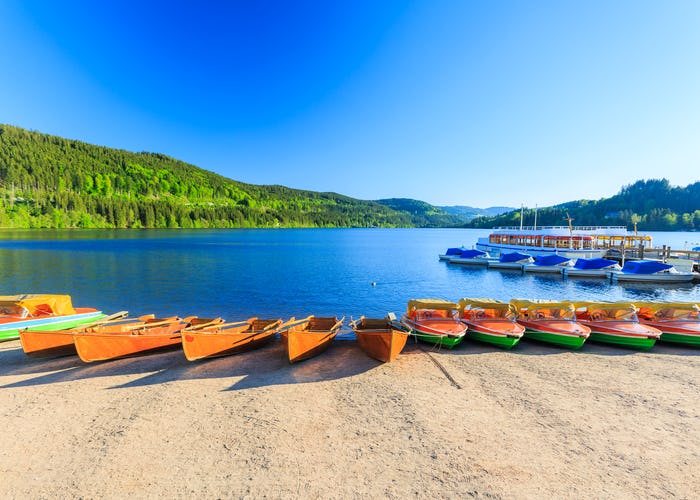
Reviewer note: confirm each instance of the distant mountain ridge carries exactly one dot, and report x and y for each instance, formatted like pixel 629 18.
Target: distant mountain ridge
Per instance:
pixel 424 214
pixel 470 213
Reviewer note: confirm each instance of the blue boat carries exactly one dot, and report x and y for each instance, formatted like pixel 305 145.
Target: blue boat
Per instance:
pixel 451 252
pixel 651 271
pixel 592 268
pixel 472 257
pixel 512 260
pixel 552 263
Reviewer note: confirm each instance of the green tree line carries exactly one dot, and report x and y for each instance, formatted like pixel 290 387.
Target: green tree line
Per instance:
pixel 654 204
pixel 52 182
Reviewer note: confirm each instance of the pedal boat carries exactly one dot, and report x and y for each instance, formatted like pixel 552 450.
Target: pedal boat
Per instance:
pixel 435 321
pixel 491 321
pixel 616 323
pixel 552 322
pixel 679 322
pixel 41 312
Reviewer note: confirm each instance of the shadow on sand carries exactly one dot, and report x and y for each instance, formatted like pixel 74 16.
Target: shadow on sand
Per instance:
pixel 268 365
pixel 529 347
pixel 262 367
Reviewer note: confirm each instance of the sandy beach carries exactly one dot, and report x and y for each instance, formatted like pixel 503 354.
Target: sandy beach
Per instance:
pixel 536 422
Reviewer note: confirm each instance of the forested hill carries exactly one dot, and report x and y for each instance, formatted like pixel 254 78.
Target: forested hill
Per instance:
pixel 48 181
pixel 654 204
pixel 422 213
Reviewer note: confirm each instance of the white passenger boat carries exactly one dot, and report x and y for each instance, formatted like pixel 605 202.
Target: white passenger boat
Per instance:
pixel 651 271
pixel 592 268
pixel 571 242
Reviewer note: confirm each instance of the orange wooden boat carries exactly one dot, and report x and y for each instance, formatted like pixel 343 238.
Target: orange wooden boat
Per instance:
pixel 228 338
pixel 310 336
pixel 104 343
pixel 40 343
pixel 380 338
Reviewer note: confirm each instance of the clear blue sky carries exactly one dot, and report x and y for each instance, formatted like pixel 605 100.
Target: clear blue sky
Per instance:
pixel 457 102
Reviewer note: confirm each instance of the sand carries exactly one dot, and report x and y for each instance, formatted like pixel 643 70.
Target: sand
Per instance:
pixel 536 422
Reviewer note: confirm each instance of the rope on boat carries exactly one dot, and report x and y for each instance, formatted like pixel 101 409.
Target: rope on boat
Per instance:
pixel 442 368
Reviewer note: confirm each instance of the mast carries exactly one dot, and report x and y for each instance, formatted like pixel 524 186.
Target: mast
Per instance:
pixel 535 217
pixel 522 207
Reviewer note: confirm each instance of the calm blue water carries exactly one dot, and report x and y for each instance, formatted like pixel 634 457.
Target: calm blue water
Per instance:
pixel 279 273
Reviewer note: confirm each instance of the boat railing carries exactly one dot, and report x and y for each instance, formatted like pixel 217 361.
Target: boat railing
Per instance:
pixel 573 228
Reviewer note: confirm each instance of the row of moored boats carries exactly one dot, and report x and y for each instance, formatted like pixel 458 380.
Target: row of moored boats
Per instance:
pixel 633 270
pixel 48 326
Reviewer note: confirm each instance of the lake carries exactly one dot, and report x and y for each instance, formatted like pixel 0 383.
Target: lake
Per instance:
pixel 280 272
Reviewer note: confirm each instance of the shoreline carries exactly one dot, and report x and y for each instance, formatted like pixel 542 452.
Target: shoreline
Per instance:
pixel 533 422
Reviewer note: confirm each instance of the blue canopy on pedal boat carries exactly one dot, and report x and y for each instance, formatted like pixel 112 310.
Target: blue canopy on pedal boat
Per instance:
pixel 644 267
pixel 514 257
pixel 470 254
pixel 593 263
pixel 550 260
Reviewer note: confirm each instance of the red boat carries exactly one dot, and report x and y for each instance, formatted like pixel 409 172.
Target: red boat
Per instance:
pixel 491 321
pixel 616 323
pixel 552 322
pixel 679 322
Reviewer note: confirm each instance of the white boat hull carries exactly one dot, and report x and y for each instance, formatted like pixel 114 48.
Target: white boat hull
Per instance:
pixel 654 277
pixel 587 273
pixel 506 265
pixel 476 261
pixel 531 268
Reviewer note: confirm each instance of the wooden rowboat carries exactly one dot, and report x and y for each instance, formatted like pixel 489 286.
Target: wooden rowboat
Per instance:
pixel 40 343
pixel 112 342
pixel 381 339
pixel 306 338
pixel 228 338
